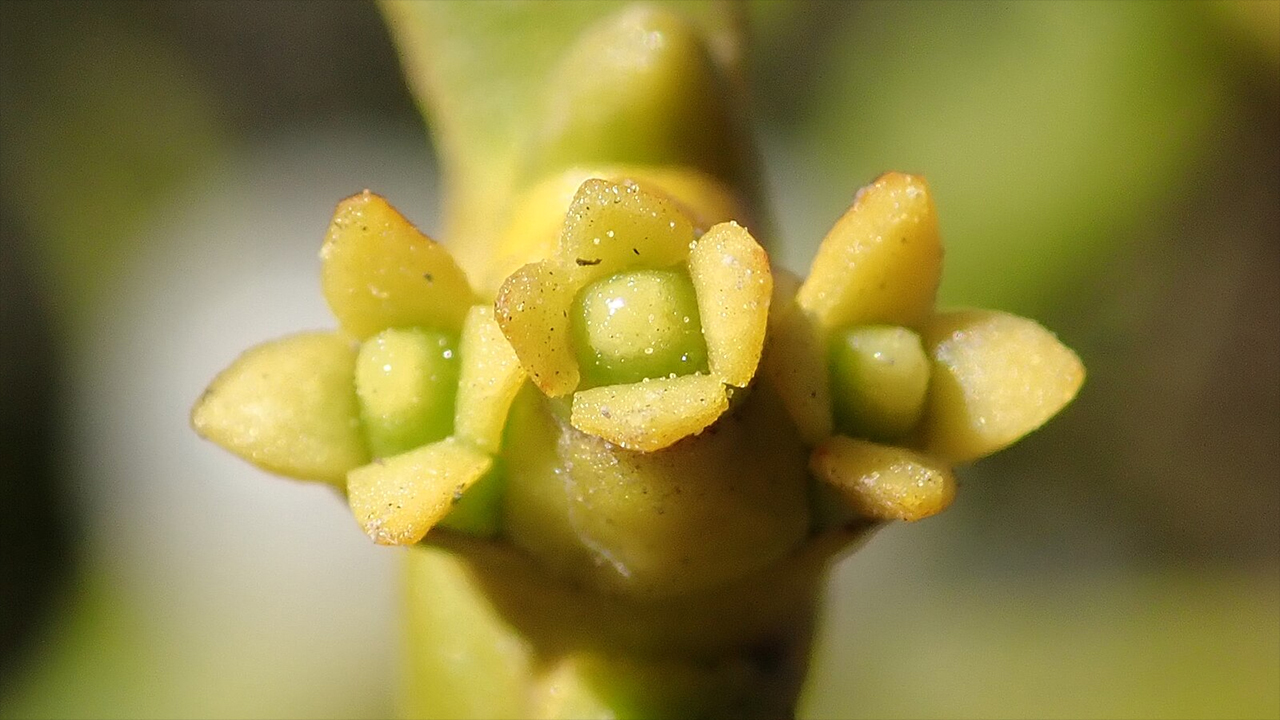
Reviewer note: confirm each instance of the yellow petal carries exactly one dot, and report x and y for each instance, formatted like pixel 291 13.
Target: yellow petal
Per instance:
pixel 651 414
pixel 995 378
pixel 614 226
pixel 882 260
pixel 289 406
pixel 730 272
pixel 490 378
pixel 397 500
pixel 378 271
pixel 533 311
pixel 534 233
pixel 884 482
pixel 795 361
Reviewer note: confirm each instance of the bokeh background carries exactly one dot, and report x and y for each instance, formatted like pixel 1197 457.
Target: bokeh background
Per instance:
pixel 1113 169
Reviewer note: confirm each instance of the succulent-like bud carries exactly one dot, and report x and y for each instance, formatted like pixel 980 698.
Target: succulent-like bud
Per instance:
pixel 626 454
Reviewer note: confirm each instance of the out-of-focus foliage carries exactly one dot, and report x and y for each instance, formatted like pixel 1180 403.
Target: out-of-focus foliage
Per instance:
pixel 101 124
pixel 1047 130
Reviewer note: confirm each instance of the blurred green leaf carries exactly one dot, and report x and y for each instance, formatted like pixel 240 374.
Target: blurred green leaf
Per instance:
pixel 101 123
pixel 1167 644
pixel 1047 130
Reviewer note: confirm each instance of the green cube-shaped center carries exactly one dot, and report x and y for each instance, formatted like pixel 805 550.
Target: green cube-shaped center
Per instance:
pixel 638 324
pixel 406 379
pixel 879 378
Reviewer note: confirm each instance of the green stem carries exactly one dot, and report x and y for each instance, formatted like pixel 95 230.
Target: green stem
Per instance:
pixel 490 635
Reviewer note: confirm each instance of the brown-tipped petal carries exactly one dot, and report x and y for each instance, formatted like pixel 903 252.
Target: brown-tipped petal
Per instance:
pixel 289 406
pixel 730 272
pixel 651 414
pixel 882 260
pixel 884 482
pixel 533 311
pixel 397 500
pixel 490 377
pixel 995 378
pixel 613 226
pixel 378 271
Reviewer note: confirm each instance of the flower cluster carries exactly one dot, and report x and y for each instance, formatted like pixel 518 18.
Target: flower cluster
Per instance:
pixel 630 392
pixel 653 347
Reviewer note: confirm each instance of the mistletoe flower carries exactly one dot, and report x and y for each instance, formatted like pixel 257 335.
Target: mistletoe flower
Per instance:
pixel 889 390
pixel 402 408
pixel 644 323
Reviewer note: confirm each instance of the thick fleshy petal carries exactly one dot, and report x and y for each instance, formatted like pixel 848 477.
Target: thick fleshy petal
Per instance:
pixel 379 271
pixel 615 226
pixel 881 262
pixel 795 362
pixel 730 272
pixel 490 378
pixel 651 414
pixel 884 482
pixel 538 220
pixel 995 378
pixel 289 406
pixel 397 500
pixel 533 311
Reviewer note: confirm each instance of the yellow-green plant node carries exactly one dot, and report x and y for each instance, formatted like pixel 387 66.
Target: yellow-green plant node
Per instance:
pixel 707 510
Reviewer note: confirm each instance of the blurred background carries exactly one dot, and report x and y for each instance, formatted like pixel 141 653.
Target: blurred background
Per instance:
pixel 167 171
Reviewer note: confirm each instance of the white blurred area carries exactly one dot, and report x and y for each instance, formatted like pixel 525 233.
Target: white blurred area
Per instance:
pixel 247 594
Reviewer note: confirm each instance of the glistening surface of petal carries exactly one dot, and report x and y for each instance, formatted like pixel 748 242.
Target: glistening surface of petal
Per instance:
pixel 881 262
pixel 995 378
pixel 378 271
pixel 613 226
pixel 652 414
pixel 288 406
pixel 730 272
pixel 884 482
pixel 491 376
pixel 397 500
pixel 533 311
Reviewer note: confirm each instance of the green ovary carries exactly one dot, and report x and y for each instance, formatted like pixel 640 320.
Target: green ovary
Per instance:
pixel 636 325
pixel 406 380
pixel 879 378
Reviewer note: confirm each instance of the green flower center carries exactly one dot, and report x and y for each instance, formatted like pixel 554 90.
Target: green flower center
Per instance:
pixel 638 324
pixel 879 377
pixel 406 380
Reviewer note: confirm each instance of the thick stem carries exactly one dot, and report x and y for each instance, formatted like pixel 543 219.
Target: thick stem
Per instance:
pixel 491 636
